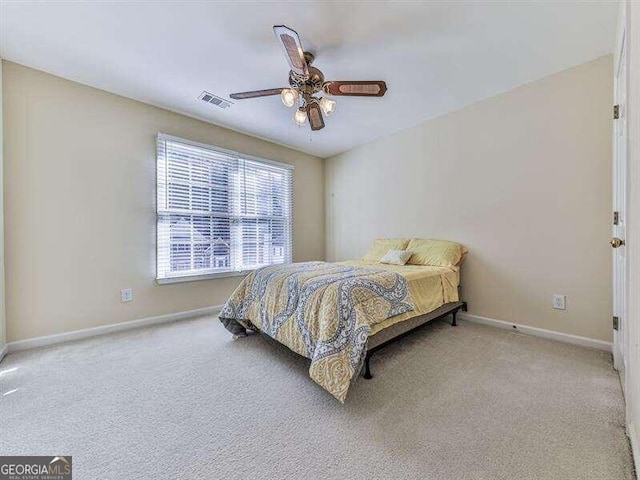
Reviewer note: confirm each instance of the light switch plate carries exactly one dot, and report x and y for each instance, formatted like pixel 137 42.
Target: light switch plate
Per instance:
pixel 559 302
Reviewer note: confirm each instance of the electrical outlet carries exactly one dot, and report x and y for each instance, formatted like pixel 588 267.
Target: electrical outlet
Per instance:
pixel 126 295
pixel 559 302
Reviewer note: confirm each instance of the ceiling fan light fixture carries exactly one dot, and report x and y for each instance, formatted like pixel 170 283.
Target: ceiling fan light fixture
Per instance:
pixel 300 117
pixel 307 83
pixel 328 106
pixel 289 97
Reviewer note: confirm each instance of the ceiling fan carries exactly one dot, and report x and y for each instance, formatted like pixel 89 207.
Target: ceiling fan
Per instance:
pixel 307 81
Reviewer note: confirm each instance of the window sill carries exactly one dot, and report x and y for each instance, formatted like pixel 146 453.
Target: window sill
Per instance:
pixel 196 278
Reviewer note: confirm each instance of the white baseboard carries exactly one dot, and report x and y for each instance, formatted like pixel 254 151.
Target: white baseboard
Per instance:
pixel 172 317
pixel 104 329
pixel 539 332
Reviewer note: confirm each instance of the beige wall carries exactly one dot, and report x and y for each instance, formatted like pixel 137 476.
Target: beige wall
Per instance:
pixel 522 179
pixel 80 205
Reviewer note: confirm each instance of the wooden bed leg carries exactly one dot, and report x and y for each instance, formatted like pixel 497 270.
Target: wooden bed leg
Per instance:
pixel 367 371
pixel 453 322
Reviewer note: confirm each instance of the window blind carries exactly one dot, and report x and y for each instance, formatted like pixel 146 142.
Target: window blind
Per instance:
pixel 219 211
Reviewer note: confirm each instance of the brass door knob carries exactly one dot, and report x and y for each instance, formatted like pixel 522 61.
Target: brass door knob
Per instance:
pixel 616 242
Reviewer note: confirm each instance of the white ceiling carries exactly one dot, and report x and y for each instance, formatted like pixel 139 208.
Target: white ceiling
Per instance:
pixel 435 56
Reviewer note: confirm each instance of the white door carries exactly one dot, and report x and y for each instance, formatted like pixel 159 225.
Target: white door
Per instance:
pixel 620 350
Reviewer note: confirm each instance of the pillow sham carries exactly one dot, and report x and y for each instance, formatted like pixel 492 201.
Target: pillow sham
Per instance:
pixel 437 253
pixel 381 246
pixel 396 257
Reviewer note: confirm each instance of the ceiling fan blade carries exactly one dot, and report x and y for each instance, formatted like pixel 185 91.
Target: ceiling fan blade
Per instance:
pixel 292 49
pixel 315 116
pixel 256 93
pixel 372 88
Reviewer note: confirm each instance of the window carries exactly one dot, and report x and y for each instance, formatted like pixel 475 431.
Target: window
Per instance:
pixel 218 211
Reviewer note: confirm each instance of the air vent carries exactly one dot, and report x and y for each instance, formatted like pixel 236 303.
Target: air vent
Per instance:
pixel 214 100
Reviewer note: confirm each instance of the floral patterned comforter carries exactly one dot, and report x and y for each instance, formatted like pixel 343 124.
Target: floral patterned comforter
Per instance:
pixel 321 310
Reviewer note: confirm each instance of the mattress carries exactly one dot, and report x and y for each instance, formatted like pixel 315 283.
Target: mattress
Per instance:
pixel 430 288
pixel 398 329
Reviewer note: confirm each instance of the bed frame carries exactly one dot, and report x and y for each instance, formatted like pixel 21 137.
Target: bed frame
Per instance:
pixel 388 335
pixel 395 332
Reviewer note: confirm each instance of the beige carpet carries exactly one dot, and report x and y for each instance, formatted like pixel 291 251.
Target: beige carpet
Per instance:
pixel 184 401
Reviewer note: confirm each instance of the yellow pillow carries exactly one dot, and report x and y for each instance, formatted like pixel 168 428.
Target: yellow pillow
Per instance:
pixel 381 246
pixel 438 253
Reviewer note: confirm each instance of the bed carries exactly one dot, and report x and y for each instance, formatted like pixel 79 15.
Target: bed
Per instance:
pixel 425 284
pixel 339 314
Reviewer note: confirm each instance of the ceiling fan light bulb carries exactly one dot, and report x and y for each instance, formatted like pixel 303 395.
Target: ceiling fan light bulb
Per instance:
pixel 289 97
pixel 300 117
pixel 328 106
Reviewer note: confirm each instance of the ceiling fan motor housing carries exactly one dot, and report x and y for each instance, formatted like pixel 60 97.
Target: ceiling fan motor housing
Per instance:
pixel 307 85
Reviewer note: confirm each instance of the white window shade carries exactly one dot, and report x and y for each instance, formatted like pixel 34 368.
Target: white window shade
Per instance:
pixel 219 212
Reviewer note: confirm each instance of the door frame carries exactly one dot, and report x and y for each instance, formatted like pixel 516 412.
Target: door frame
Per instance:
pixel 621 337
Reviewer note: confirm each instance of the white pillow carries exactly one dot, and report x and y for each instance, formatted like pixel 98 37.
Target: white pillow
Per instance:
pixel 396 257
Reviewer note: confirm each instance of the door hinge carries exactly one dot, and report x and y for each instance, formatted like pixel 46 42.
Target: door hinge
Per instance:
pixel 616 112
pixel 616 218
pixel 616 323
